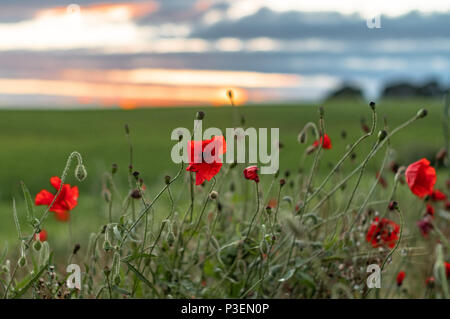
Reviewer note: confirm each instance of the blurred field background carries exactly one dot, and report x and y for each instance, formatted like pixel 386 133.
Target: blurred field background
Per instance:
pixel 35 145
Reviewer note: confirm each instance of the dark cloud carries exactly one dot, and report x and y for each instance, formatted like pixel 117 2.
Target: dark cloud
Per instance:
pixel 295 24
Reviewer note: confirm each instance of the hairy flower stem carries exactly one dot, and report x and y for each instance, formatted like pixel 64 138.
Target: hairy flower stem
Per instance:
pixel 346 155
pixel 63 178
pixel 256 212
pixel 380 145
pixel 146 208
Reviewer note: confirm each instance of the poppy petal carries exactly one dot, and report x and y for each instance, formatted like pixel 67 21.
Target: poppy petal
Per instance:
pixel 44 197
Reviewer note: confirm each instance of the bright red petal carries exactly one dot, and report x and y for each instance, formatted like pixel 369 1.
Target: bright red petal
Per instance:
pixel 62 216
pixel 55 181
pixel 44 197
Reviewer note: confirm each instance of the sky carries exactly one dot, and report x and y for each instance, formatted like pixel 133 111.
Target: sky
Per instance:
pixel 128 54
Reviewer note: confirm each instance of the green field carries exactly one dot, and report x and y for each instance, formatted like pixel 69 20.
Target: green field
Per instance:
pixel 35 144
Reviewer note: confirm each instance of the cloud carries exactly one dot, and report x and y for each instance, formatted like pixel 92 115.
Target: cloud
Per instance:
pixel 333 25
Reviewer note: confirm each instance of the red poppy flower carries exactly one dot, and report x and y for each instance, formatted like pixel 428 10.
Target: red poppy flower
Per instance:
pixel 251 173
pixel 430 210
pixel 41 236
pixel 203 159
pixel 326 144
pixel 425 226
pixel 384 232
pixel 66 201
pixel 400 277
pixel 437 195
pixel 447 269
pixel 421 177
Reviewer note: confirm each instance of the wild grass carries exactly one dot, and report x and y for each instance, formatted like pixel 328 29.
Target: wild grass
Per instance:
pixel 174 242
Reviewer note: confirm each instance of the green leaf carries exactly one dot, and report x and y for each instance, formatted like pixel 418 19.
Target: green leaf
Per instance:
pixel 28 202
pixel 30 281
pixel 141 277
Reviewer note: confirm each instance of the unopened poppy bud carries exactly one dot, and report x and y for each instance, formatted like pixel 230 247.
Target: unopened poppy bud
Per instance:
pixel 22 261
pixel 269 210
pixel 242 120
pixel 344 134
pixel 393 205
pixel 282 182
pixel 136 194
pixel 117 280
pixel 167 179
pixel 382 135
pixel 430 282
pixel 230 94
pixel 37 245
pixel 106 271
pixel 127 129
pixel 321 111
pixel 170 238
pixel 302 137
pixel 213 195
pixel 200 115
pixel 287 173
pixel 80 172
pixel 76 249
pixel 422 113
pixel 372 105
pixel 136 174
pixel 114 168
pixel 106 245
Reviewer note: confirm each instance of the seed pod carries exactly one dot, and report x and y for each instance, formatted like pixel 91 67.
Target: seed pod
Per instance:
pixel 382 135
pixel 213 195
pixel 200 115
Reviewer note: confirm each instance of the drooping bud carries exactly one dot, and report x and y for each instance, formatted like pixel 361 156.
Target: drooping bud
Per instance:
pixel 37 245
pixel 382 135
pixel 213 195
pixel 80 172
pixel 76 249
pixel 372 105
pixel 167 179
pixel 301 138
pixel 136 174
pixel 422 113
pixel 22 261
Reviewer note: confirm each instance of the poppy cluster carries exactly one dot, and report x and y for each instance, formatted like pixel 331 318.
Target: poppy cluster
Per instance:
pixel 383 232
pixel 64 203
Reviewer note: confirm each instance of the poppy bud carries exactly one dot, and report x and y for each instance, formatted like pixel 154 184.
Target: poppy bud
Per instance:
pixel 268 210
pixel 344 134
pixel 302 137
pixel 242 120
pixel 136 194
pixel 114 168
pixel 136 174
pixel 393 205
pixel 117 279
pixel 76 249
pixel 22 261
pixel 106 195
pixel 372 105
pixel 422 113
pixel 213 195
pixel 321 111
pixel 200 115
pixel 230 94
pixel 127 129
pixel 170 238
pixel 167 179
pixel 106 271
pixel 282 182
pixel 382 135
pixel 80 172
pixel 106 245
pixel 37 245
